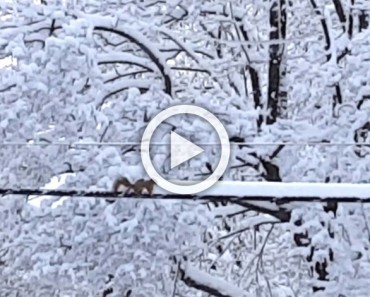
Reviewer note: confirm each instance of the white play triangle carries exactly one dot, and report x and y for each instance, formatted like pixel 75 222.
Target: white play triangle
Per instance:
pixel 182 150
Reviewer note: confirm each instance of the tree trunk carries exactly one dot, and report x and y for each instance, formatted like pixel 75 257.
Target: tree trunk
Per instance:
pixel 304 240
pixel 363 20
pixel 278 22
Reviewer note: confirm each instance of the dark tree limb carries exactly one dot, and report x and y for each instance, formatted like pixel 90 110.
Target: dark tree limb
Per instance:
pixel 8 88
pixel 205 286
pixel 282 214
pixel 255 82
pixel 340 12
pixel 126 62
pixel 141 89
pixel 325 29
pixel 337 98
pixel 125 75
pixel 363 20
pixel 278 20
pixel 343 19
pixel 146 50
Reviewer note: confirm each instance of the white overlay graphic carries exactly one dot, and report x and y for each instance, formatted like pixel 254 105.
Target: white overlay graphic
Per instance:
pixel 188 151
pixel 182 150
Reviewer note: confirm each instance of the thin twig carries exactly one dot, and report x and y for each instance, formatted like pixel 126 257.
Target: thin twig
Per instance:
pixel 176 278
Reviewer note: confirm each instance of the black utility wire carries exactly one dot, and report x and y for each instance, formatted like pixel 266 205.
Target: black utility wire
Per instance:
pixel 110 195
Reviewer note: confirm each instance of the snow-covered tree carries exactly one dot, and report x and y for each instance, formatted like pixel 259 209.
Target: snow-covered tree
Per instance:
pixel 97 71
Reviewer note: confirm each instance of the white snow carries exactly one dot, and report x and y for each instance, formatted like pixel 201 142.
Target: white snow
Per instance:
pixel 68 247
pixel 205 279
pixel 279 189
pixel 126 58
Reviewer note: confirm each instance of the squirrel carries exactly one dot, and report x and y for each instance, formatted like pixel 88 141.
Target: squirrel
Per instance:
pixel 138 187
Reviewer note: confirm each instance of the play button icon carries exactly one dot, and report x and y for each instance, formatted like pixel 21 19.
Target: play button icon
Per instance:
pixel 182 150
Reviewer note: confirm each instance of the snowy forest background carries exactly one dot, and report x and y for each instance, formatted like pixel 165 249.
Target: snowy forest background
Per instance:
pixel 273 71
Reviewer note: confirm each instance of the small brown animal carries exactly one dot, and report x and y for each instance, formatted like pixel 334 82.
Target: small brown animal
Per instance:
pixel 138 187
pixel 122 181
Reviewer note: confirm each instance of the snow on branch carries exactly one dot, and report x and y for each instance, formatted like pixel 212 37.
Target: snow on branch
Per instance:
pixel 124 84
pixel 125 58
pixel 188 50
pixel 250 223
pixel 219 9
pixel 149 48
pixel 205 282
pixel 7 88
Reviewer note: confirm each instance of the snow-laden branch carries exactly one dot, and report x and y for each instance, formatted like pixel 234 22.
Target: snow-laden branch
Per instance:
pixel 205 282
pixel 107 24
pixel 227 211
pixel 219 9
pixel 120 72
pixel 269 207
pixel 124 84
pixel 251 223
pixel 185 48
pixel 125 58
pixel 6 88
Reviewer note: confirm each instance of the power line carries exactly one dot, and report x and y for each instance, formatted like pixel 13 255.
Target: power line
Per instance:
pixel 113 195
pixel 74 144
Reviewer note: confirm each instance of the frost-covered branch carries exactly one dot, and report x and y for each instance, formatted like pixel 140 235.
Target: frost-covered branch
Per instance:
pixel 282 214
pixel 121 85
pixel 205 282
pixel 147 48
pixel 250 223
pixel 8 88
pixel 124 58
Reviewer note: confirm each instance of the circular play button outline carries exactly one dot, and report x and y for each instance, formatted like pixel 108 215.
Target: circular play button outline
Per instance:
pixel 215 123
